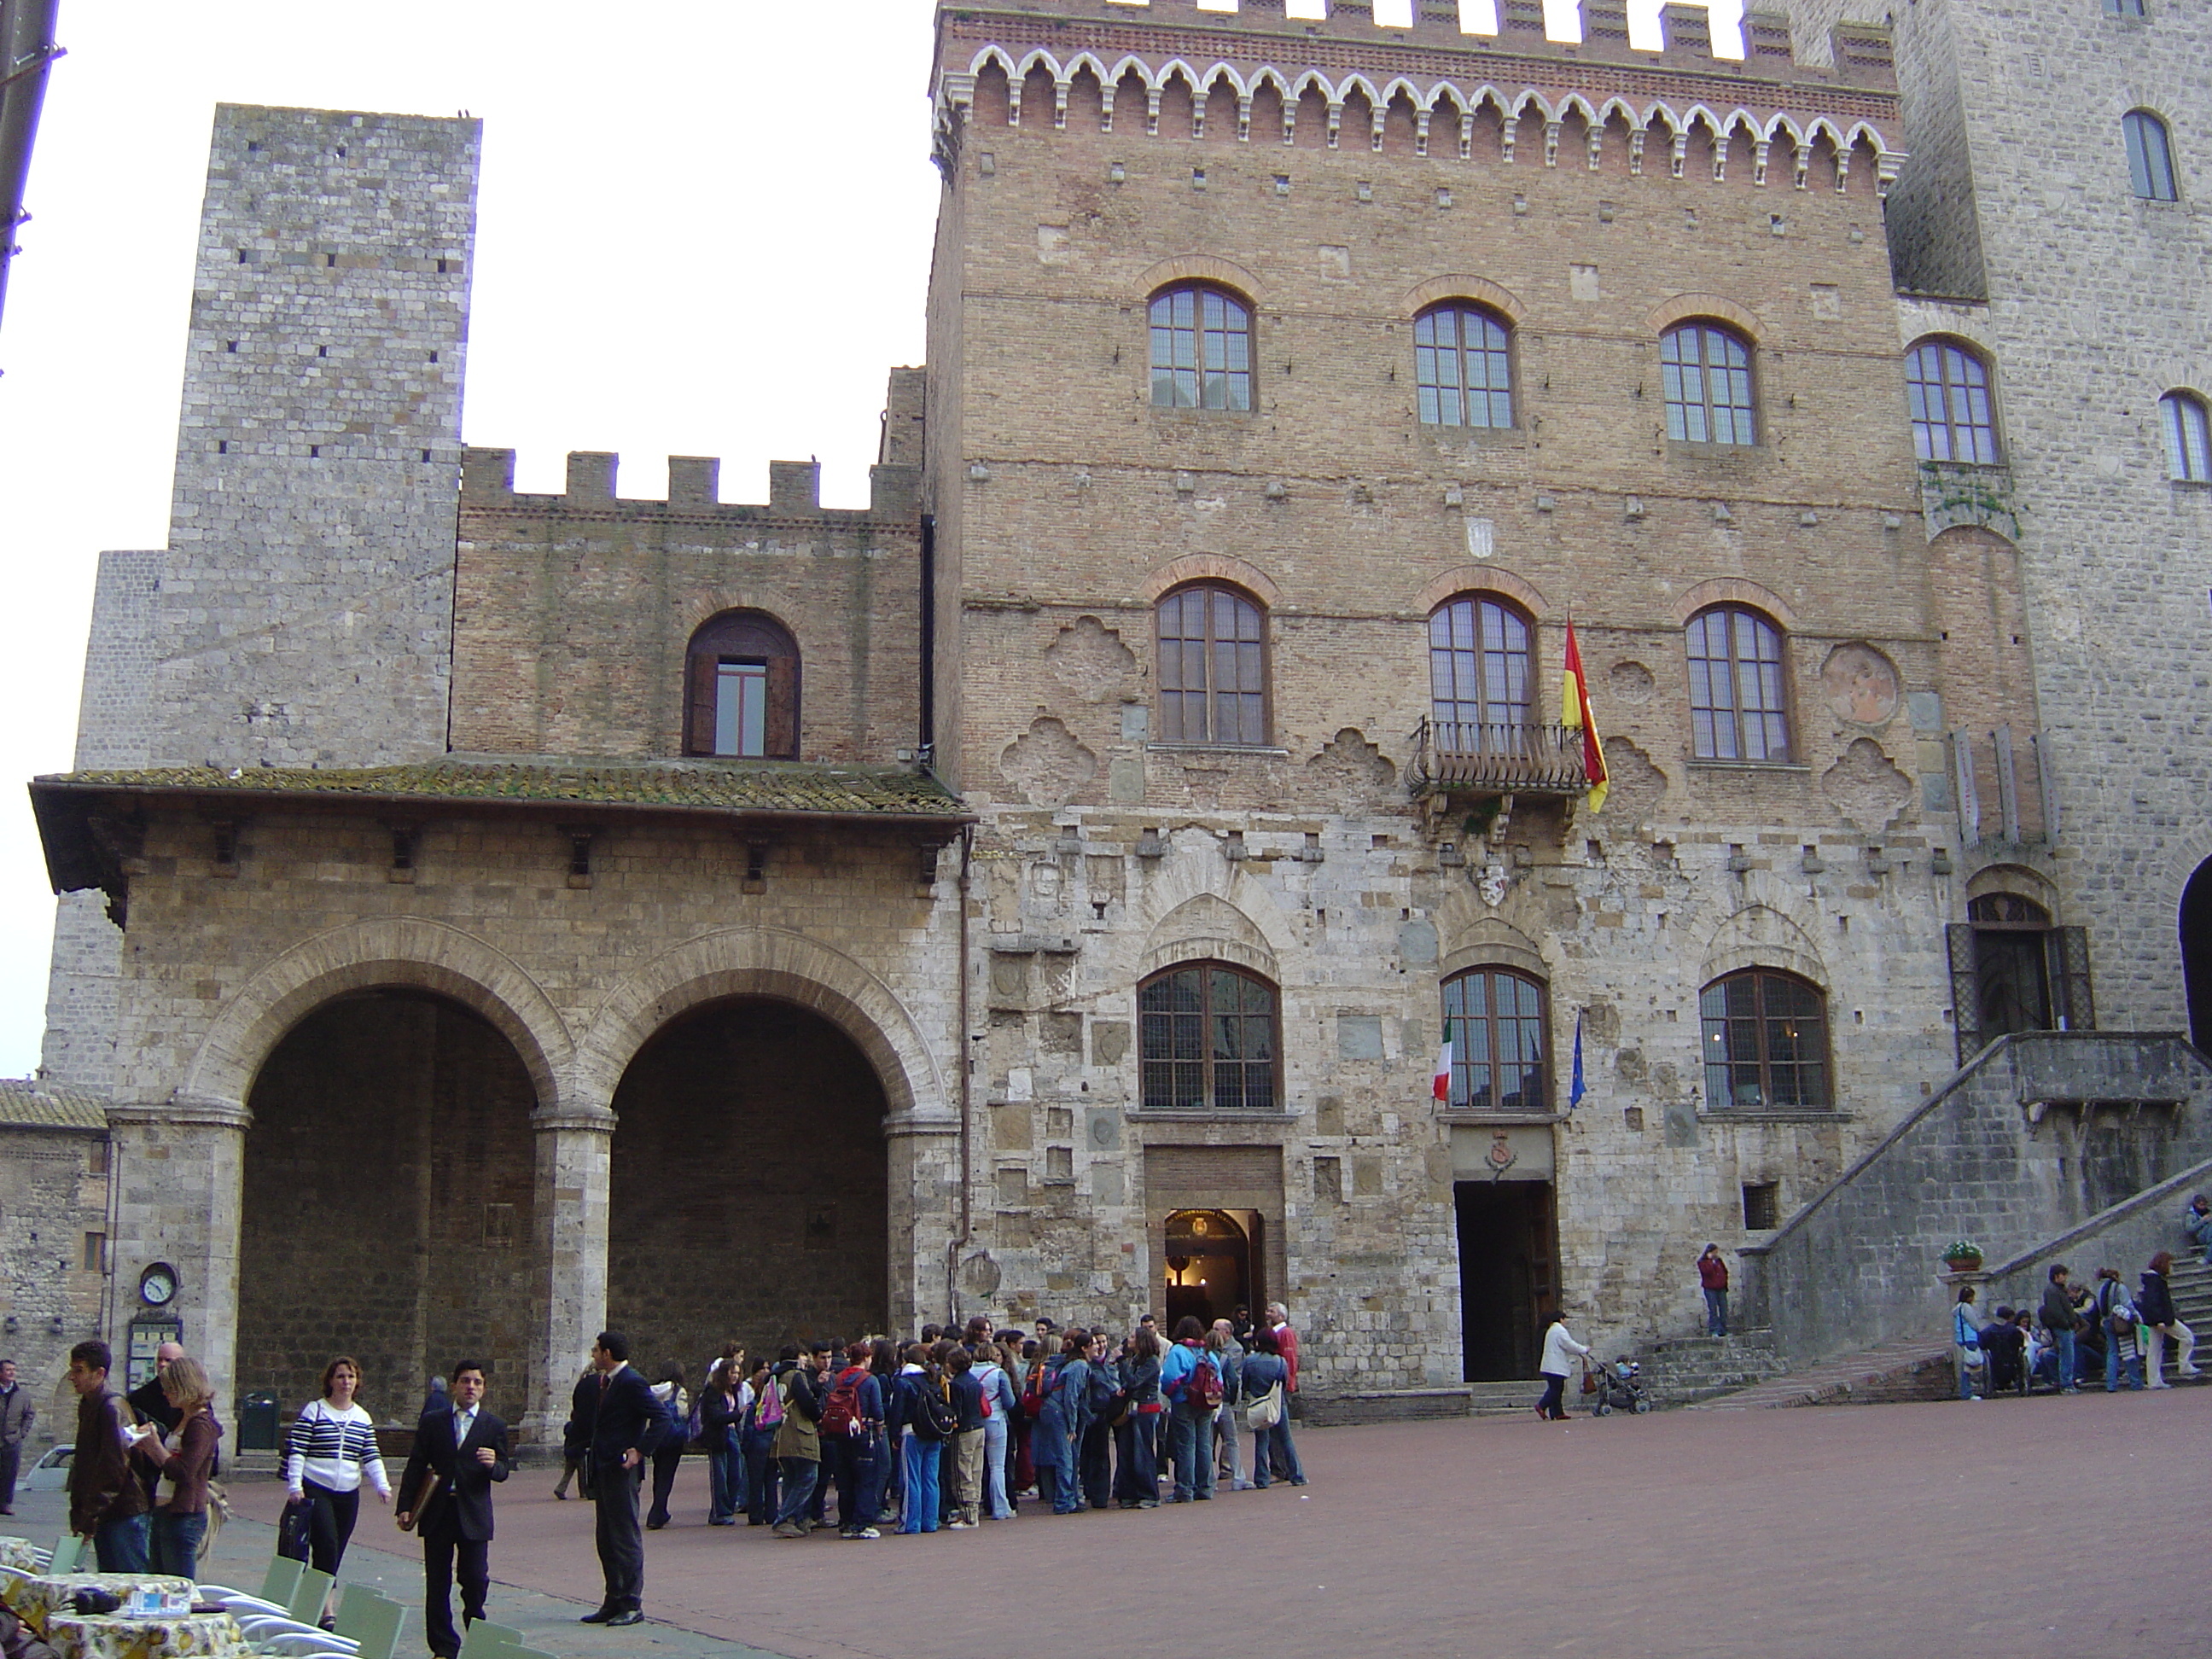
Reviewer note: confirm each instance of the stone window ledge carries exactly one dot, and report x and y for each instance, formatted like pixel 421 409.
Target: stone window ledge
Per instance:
pixel 1782 768
pixel 1501 1120
pixel 1278 1120
pixel 1791 1115
pixel 1260 750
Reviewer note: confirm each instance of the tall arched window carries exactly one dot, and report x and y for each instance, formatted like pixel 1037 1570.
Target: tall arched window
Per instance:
pixel 1948 387
pixel 2188 438
pixel 1766 1042
pixel 1739 706
pixel 2150 159
pixel 1213 667
pixel 1463 364
pixel 1494 1021
pixel 1479 686
pixel 1202 349
pixel 1208 1038
pixel 1706 372
pixel 741 687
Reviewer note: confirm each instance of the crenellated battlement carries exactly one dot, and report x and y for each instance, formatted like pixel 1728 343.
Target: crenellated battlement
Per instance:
pixel 694 485
pixel 1352 66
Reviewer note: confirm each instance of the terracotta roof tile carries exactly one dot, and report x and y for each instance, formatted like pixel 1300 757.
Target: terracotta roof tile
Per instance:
pixel 27 1103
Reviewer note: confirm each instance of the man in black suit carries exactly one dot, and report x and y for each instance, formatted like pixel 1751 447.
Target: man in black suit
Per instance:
pixel 460 1450
pixel 613 1428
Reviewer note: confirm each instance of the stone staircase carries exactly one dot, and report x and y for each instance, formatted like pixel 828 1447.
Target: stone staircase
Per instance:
pixel 1911 1369
pixel 1681 1371
pixel 2191 1283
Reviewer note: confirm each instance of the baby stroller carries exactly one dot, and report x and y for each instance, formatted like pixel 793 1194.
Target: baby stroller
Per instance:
pixel 1619 1387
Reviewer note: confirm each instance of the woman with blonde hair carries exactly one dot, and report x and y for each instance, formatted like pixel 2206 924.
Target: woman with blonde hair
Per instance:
pixel 181 1525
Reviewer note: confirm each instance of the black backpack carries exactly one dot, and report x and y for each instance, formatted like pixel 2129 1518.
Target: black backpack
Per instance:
pixel 934 1417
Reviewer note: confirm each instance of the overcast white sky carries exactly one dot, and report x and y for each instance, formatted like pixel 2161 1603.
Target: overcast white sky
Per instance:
pixel 704 230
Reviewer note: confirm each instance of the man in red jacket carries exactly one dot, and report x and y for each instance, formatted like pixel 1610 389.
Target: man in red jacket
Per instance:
pixel 1713 1274
pixel 1286 1341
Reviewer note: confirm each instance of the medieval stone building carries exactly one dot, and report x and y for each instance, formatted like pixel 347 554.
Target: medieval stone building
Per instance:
pixel 1048 890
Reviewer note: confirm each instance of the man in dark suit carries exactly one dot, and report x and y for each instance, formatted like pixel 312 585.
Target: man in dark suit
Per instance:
pixel 613 1428
pixel 460 1450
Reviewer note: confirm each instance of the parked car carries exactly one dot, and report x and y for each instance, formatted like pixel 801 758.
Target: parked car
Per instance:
pixel 51 1473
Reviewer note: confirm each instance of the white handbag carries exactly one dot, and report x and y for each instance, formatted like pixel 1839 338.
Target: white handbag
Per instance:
pixel 1265 1412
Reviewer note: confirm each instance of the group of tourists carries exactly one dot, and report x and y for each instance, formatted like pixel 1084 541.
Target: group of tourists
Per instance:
pixel 949 1430
pixel 2075 1333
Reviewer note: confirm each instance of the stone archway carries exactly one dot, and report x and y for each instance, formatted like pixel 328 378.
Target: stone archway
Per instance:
pixel 389 1201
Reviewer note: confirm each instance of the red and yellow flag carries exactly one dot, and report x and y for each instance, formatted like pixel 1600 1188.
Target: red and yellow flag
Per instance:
pixel 1575 716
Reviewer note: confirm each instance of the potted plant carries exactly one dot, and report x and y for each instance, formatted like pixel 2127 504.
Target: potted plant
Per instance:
pixel 1963 1256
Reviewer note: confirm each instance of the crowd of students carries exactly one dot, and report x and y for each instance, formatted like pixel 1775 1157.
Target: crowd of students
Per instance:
pixel 2074 1334
pixel 959 1427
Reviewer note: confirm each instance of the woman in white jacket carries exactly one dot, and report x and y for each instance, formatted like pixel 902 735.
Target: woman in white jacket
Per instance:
pixel 1560 1353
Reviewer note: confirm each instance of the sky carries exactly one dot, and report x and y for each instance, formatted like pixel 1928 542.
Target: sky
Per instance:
pixel 704 229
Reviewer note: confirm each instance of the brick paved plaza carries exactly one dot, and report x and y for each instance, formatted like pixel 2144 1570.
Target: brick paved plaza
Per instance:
pixel 1862 1531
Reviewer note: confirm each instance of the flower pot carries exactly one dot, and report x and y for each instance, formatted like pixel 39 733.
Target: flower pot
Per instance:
pixel 1963 1264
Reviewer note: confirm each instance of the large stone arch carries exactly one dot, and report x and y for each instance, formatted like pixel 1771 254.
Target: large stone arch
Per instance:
pixel 762 962
pixel 391 952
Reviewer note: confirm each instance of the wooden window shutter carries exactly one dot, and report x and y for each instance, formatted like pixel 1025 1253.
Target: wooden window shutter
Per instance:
pixel 2070 961
pixel 1966 990
pixel 782 732
pixel 700 675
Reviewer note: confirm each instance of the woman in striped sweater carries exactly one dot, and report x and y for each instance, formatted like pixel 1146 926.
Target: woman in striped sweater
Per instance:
pixel 333 1448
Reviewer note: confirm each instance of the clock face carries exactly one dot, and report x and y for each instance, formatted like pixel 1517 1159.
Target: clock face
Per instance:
pixel 157 1285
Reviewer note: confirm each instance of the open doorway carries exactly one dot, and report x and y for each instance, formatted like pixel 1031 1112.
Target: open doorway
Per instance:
pixel 1509 1285
pixel 1211 1254
pixel 2197 954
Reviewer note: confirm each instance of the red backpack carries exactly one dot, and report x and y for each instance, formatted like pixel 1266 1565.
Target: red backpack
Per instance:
pixel 842 1416
pixel 1033 1389
pixel 1203 1386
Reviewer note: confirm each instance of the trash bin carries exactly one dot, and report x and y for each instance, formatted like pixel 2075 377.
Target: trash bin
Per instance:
pixel 257 1422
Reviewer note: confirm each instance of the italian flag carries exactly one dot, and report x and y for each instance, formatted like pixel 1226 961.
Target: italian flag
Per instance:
pixel 1575 716
pixel 1444 1071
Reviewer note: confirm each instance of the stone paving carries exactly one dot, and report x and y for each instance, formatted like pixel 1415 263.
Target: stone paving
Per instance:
pixel 1870 1532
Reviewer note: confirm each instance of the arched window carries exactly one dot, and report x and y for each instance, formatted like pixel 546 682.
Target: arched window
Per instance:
pixel 2188 438
pixel 1208 1040
pixel 1738 708
pixel 1213 667
pixel 1494 1021
pixel 1766 1042
pixel 1463 363
pixel 2150 160
pixel 1479 688
pixel 1201 349
pixel 1948 387
pixel 741 687
pixel 1706 372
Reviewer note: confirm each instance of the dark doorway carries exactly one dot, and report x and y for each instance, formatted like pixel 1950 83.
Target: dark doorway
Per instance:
pixel 2013 947
pixel 2197 953
pixel 388 1190
pixel 750 1188
pixel 1508 1287
pixel 1209 1267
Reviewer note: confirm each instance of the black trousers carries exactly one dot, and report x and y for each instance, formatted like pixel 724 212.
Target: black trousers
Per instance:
pixel 1095 1456
pixel 443 1550
pixel 11 1459
pixel 665 1463
pixel 330 1525
pixel 622 1547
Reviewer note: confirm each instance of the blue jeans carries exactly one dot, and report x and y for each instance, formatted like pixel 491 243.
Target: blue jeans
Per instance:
pixel 994 1469
pixel 121 1545
pixel 1715 1313
pixel 1271 1446
pixel 2063 1341
pixel 921 1458
pixel 725 1472
pixel 1190 1448
pixel 760 1483
pixel 1968 1373
pixel 177 1543
pixel 799 1476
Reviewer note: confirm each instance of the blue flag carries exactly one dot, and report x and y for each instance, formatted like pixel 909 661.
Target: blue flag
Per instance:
pixel 1578 1088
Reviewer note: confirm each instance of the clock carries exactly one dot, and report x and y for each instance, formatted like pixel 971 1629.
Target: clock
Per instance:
pixel 157 1285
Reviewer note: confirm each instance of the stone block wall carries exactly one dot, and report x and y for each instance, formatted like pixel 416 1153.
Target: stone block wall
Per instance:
pixel 2038 1134
pixel 573 612
pixel 53 1192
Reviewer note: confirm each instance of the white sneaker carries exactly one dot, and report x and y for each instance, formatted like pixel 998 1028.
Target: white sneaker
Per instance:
pixel 959 1526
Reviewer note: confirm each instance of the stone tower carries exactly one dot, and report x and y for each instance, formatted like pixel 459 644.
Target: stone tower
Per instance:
pixel 2032 231
pixel 301 614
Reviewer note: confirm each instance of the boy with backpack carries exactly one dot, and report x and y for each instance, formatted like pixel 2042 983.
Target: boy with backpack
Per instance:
pixel 927 1420
pixel 966 1389
pixel 798 1444
pixel 851 1416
